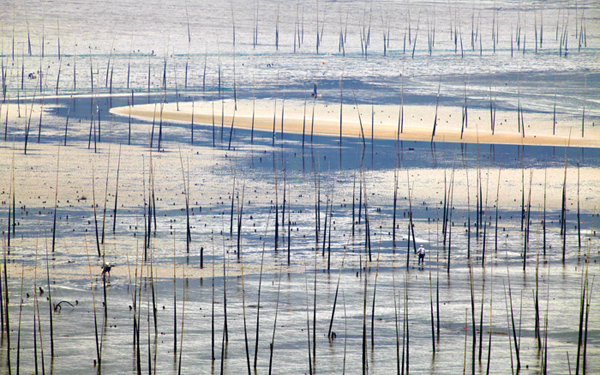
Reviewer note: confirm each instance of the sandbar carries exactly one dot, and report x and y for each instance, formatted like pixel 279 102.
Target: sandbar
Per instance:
pixel 377 121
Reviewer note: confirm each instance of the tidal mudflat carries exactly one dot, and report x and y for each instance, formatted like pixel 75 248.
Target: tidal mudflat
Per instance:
pixel 259 177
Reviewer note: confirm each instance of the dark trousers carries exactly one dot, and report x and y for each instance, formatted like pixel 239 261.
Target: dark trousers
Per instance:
pixel 421 258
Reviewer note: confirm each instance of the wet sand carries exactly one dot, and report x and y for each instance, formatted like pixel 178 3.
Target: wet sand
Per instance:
pixel 35 186
pixel 380 121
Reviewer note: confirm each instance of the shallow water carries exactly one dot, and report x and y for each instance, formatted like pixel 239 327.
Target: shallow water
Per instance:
pixel 112 36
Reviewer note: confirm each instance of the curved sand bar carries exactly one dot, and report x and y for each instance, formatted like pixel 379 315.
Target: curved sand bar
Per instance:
pixel 381 120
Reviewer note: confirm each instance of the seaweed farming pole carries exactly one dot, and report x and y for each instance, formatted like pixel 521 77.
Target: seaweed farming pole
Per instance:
pixel 275 110
pixel 254 112
pixel 406 327
pixel 314 337
pixel 492 110
pixel 152 196
pixel 375 289
pixel 465 348
pixel 282 116
pixel 409 222
pixel 129 128
pixel 296 28
pixel 416 36
pixel 395 206
pixel 437 102
pixel 310 365
pixel 537 329
pixel 20 319
pixel 212 309
pixel 283 204
pixel 544 217
pixel 135 288
pixel 465 112
pixel 277 35
pixel 337 288
pixel 225 319
pixel 578 210
pixel 341 113
pixel 364 326
pixel 430 306
pixel 317 182
pixel 587 313
pixel 318 38
pixel 160 121
pixel 28 123
pixel 583 115
pixel 523 211
pixel 239 228
pixel 192 122
pixel 545 354
pixel 7 106
pixel 485 217
pixel 44 96
pixel 241 257
pixel 105 196
pixel 255 28
pixel 362 132
pixel 497 207
pixel 36 309
pixel 175 297
pixel 289 240
pixel 327 206
pixel 276 245
pixel 55 208
pixel 4 307
pixel 3 295
pixel 146 222
pixel 262 259
pixel 117 192
pixel 92 118
pixel 490 331
pixel 94 207
pixel 512 366
pixel 13 190
pixel 353 203
pixel 149 75
pixel 474 325
pixel 445 210
pixel 272 345
pixel 527 228
pixel 182 322
pixel 98 343
pixel 554 111
pixel 583 308
pixel 468 215
pixel 563 215
pixel 481 314
pixel 437 271
pixel 186 193
pixel 67 120
pixel 449 216
pixel 367 225
pixel 372 128
pixel 410 214
pixel 401 114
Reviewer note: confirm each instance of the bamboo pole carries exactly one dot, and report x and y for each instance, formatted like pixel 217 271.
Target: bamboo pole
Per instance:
pixel 262 259
pixel 98 343
pixel 272 345
pixel 117 192
pixel 55 206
